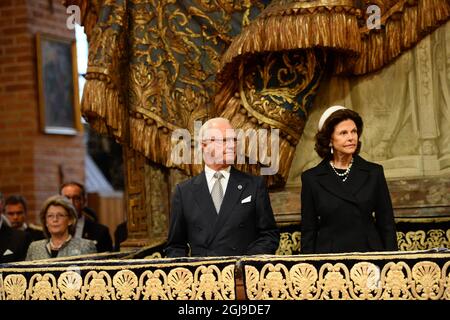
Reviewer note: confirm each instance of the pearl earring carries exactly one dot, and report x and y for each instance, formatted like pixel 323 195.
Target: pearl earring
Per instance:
pixel 331 148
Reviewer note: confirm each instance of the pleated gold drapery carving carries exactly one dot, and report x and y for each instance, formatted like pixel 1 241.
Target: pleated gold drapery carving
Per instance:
pixel 152 68
pixel 339 25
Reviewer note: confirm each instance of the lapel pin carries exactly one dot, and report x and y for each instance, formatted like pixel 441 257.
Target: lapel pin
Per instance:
pixel 240 187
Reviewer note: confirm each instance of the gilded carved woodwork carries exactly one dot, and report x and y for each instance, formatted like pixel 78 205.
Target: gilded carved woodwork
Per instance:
pixel 276 91
pixel 156 282
pixel 407 241
pixel 353 276
pixel 135 198
pixel 364 280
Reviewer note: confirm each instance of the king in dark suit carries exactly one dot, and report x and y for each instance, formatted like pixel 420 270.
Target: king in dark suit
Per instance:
pixel 222 211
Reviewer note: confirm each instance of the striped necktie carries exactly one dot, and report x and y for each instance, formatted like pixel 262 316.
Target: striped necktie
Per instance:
pixel 217 191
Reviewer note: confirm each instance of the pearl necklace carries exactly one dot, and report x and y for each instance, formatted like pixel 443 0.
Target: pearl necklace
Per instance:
pixel 344 174
pixel 55 247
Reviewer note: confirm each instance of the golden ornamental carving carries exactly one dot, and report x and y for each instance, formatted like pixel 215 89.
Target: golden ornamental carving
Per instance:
pixel 206 283
pixel 334 281
pixel 426 277
pixel 396 281
pixel 14 286
pixel 303 279
pixel 154 255
pixel 365 281
pixel 70 283
pixel 409 241
pixel 421 240
pixel 125 282
pixel 273 281
pixel 180 281
pixel 438 238
pixel 98 286
pixel 252 288
pixel 446 280
pixel 227 283
pixel 154 285
pixel 43 287
pixel 289 243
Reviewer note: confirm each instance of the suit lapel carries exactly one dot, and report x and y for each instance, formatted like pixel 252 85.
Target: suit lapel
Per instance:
pixel 231 197
pixel 329 181
pixel 203 198
pixel 359 175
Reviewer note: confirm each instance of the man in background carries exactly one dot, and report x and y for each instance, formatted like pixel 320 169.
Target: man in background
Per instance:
pixel 87 228
pixel 16 216
pixel 13 243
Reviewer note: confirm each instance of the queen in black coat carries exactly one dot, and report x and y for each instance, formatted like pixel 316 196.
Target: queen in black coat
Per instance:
pixel 346 206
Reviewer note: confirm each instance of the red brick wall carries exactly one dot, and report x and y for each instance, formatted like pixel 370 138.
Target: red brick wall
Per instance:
pixel 31 163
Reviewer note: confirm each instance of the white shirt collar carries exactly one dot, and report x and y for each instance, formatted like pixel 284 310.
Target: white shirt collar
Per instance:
pixel 209 173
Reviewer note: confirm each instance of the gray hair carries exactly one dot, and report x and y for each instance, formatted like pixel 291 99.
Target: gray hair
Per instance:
pixel 59 201
pixel 208 124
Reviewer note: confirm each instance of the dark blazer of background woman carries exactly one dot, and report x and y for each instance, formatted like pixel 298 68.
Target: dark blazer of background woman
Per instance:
pixel 355 216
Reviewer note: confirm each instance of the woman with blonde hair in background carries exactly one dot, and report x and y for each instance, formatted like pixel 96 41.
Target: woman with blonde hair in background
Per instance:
pixel 59 218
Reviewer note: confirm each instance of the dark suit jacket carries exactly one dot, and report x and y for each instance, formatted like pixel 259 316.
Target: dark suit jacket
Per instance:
pixel 239 228
pixel 338 216
pixel 120 235
pixel 15 241
pixel 98 232
pixel 34 234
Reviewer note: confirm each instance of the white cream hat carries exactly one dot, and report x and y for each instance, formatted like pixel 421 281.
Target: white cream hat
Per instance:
pixel 328 113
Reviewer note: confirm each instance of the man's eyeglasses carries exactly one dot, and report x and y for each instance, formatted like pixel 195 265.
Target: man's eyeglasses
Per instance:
pixel 57 216
pixel 225 140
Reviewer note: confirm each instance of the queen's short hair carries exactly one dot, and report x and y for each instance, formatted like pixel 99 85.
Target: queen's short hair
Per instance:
pixel 323 136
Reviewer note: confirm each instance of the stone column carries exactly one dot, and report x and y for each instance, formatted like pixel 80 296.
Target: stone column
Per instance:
pixel 427 113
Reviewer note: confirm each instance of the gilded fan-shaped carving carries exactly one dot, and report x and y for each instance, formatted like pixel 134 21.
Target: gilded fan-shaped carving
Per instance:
pixel 303 278
pixel 180 281
pixel 426 276
pixel 333 281
pixel 125 282
pixel 365 281
pixel 98 286
pixel 69 283
pixel 43 287
pixel 227 283
pixel 396 281
pixel 273 280
pixel 252 287
pixel 206 283
pixel 446 280
pixel 15 286
pixel 154 285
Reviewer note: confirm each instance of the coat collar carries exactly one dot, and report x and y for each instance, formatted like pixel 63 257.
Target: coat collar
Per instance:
pixel 344 190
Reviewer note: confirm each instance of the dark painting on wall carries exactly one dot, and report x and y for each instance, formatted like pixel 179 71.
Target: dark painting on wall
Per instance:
pixel 58 85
